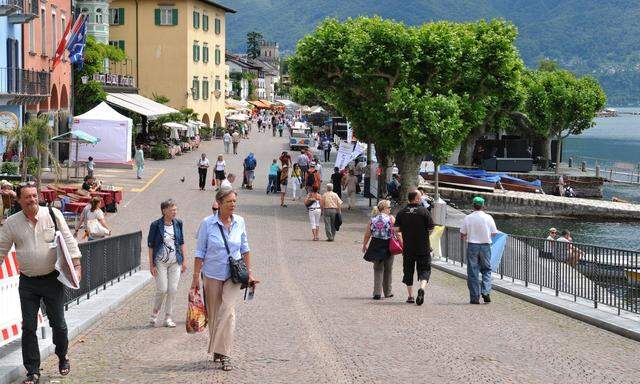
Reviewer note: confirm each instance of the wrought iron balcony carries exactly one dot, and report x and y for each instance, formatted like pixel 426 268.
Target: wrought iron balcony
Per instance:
pixel 28 10
pixel 8 7
pixel 23 82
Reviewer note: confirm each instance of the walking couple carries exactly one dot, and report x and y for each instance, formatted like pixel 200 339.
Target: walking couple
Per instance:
pixel 221 236
pixel 411 227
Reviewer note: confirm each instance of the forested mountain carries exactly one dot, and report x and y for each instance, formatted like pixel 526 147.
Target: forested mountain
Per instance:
pixel 597 37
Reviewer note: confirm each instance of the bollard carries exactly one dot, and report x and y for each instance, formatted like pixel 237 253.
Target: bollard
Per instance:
pixel 597 170
pixel 571 162
pixel 583 166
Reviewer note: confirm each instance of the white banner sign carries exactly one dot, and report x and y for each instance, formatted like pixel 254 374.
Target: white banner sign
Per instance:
pixel 347 152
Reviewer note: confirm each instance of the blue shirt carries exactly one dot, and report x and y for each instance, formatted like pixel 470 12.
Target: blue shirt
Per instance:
pixel 273 170
pixel 210 245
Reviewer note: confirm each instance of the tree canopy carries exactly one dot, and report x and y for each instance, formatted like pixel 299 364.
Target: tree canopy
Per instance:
pixel 410 90
pixel 253 44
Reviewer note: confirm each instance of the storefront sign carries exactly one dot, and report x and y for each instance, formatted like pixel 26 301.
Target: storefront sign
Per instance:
pixel 114 80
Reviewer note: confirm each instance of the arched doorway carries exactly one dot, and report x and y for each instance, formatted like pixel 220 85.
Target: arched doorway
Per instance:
pixel 64 98
pixel 53 105
pixel 217 120
pixel 205 119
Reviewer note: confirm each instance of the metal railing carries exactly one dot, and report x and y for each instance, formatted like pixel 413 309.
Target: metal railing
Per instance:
pixel 17 81
pixel 104 262
pixel 601 275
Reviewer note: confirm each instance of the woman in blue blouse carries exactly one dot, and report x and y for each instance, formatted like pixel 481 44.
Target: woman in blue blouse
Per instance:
pixel 212 261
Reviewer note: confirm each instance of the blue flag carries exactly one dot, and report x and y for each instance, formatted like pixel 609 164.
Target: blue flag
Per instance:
pixel 76 45
pixel 498 242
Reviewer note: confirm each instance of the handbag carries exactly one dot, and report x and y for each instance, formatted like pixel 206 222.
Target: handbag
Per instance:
pixel 395 245
pixel 338 221
pixel 95 229
pixel 196 312
pixel 238 268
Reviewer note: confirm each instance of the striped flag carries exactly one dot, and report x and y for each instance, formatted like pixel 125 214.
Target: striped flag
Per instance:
pixel 64 40
pixel 76 43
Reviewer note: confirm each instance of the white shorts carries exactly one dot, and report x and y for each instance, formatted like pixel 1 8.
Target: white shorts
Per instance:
pixel 314 217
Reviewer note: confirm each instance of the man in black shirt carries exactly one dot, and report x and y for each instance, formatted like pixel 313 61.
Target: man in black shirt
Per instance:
pixel 414 222
pixel 336 180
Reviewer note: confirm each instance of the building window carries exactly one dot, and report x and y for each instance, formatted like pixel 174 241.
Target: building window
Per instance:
pixel 117 43
pixel 205 88
pixel 196 20
pixel 99 16
pixel 116 16
pixel 43 32
pixel 196 51
pixel 32 37
pixel 217 55
pixel 205 23
pixel 166 16
pixel 205 53
pixel 54 34
pixel 218 84
pixel 218 23
pixel 195 88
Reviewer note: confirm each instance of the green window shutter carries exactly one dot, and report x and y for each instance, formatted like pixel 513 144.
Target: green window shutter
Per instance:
pixel 196 20
pixel 205 90
pixel 217 26
pixel 121 16
pixel 205 54
pixel 174 16
pixel 121 44
pixel 157 13
pixel 217 56
pixel 195 52
pixel 205 22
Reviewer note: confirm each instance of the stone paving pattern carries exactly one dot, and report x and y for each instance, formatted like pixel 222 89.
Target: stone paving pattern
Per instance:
pixel 313 319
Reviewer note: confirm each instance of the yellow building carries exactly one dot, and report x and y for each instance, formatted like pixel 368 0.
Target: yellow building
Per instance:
pixel 177 50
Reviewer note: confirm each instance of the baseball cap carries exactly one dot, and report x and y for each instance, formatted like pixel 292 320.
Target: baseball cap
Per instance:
pixel 478 200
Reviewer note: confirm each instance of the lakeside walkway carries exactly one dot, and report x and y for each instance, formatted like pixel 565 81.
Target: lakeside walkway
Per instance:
pixel 313 319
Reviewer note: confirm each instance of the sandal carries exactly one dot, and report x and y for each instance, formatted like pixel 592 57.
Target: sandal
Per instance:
pixel 64 367
pixel 33 378
pixel 225 363
pixel 410 300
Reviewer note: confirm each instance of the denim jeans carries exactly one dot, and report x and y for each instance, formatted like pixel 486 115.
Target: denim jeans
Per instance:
pixel 478 261
pixel 271 187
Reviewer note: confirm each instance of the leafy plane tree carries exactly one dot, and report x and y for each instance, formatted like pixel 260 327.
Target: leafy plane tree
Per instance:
pixel 410 90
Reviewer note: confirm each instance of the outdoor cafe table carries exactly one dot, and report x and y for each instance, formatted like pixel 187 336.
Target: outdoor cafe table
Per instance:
pixel 78 206
pixel 48 195
pixel 69 189
pixel 106 196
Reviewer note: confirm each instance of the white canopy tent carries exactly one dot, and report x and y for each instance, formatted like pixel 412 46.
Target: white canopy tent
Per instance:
pixel 114 130
pixel 139 104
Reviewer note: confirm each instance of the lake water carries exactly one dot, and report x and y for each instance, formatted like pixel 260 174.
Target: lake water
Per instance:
pixel 612 140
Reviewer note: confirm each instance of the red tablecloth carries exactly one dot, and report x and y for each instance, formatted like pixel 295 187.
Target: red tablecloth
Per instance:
pixel 114 195
pixel 106 197
pixel 75 207
pixel 48 195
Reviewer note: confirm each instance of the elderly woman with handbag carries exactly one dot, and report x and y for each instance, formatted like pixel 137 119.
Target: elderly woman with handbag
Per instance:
pixel 166 259
pixel 223 258
pixel 382 248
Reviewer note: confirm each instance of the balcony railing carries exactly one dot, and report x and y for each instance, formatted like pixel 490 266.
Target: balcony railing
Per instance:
pixel 26 11
pixel 23 82
pixel 7 7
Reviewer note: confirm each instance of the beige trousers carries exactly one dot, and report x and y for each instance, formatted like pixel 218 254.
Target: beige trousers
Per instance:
pixel 221 298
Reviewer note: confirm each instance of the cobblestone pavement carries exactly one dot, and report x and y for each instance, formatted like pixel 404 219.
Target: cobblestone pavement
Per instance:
pixel 313 319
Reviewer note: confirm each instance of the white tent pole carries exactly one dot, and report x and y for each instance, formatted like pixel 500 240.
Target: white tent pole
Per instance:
pixel 77 148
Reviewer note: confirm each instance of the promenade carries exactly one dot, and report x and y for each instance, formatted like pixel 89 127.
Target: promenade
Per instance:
pixel 313 320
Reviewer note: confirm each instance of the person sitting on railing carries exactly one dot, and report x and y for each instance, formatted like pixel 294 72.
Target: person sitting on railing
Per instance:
pixel 569 253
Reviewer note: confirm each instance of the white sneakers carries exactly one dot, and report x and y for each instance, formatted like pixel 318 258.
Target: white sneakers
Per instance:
pixel 167 322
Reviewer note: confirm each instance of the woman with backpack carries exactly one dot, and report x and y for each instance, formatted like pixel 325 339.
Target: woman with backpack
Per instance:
pixel 312 202
pixel 379 231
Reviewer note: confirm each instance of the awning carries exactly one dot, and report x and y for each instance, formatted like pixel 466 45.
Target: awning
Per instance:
pixel 139 104
pixel 80 136
pixel 177 126
pixel 238 117
pixel 260 104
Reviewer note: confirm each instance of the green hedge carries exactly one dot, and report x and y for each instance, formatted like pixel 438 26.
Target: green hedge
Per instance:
pixel 160 152
pixel 10 168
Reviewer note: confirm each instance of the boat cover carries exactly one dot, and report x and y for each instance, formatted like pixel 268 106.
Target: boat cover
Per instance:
pixel 483 175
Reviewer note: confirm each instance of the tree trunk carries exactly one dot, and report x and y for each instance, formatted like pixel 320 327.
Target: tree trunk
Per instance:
pixel 408 165
pixel 546 151
pixel 467 146
pixel 558 153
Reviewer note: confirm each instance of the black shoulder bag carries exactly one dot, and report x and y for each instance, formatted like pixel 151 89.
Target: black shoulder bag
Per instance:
pixel 239 271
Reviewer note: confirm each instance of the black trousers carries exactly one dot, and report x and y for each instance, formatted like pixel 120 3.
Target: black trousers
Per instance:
pixel 327 155
pixel 202 177
pixel 409 264
pixel 50 290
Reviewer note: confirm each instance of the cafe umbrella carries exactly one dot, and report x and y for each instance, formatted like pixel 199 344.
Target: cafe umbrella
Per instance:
pixel 78 137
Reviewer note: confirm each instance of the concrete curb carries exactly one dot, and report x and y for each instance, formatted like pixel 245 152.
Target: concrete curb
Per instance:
pixel 79 318
pixel 599 318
